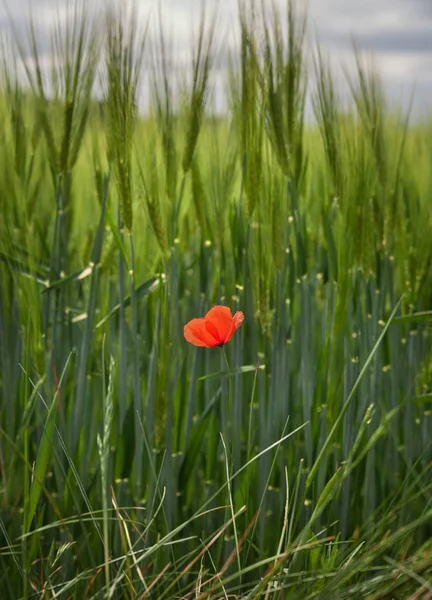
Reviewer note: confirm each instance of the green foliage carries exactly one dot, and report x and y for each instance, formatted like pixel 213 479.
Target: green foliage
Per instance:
pixel 286 82
pixel 134 465
pixel 124 52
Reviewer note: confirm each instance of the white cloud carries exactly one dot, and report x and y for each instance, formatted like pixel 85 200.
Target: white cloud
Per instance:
pixel 398 32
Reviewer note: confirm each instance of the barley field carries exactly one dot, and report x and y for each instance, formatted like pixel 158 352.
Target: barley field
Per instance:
pixel 294 462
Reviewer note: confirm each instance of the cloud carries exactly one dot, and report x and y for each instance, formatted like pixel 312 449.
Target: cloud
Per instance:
pixel 397 32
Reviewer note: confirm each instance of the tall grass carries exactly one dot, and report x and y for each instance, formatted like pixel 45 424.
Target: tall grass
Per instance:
pixel 134 465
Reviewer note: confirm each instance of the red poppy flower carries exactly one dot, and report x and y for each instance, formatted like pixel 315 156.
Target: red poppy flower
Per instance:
pixel 215 329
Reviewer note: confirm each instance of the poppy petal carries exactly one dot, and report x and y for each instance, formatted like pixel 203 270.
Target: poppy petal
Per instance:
pixel 197 334
pixel 221 318
pixel 215 329
pixel 211 328
pixel 238 319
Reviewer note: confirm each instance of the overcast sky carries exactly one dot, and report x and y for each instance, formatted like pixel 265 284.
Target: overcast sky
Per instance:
pixel 398 32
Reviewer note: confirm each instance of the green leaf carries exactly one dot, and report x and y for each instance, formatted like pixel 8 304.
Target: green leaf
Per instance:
pixel 195 441
pixel 419 317
pixel 145 288
pixel 42 459
pixel 236 371
pixel 422 398
pixel 117 236
pixel 350 398
pixel 77 276
pixel 24 269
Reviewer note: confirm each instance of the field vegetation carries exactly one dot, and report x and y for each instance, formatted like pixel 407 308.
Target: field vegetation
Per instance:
pixel 134 465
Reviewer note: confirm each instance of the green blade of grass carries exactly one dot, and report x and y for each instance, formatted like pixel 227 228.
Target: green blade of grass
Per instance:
pixel 140 292
pixel 42 458
pixel 234 371
pixel 350 398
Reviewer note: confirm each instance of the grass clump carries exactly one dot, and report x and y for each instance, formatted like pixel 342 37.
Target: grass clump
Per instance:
pixel 117 228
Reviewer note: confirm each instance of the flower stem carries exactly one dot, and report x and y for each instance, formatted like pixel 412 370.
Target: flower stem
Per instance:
pixel 228 428
pixel 230 402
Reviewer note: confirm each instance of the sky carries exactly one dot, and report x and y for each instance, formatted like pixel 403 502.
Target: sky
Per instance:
pixel 398 33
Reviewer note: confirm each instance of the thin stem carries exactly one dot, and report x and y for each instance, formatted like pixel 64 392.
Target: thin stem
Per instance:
pixel 229 447
pixel 230 404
